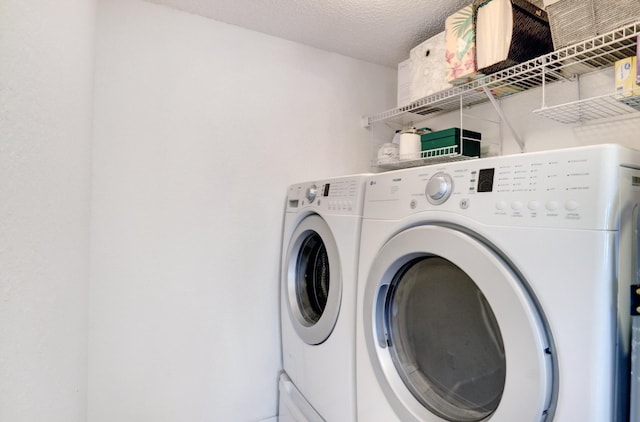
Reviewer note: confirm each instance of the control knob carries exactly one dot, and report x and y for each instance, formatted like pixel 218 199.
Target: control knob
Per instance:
pixel 439 188
pixel 312 191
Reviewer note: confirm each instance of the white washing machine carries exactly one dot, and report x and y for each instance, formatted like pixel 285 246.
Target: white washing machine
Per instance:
pixel 318 294
pixel 497 289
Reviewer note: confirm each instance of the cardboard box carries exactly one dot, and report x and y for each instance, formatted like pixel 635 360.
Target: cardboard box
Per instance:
pixel 450 137
pixel 460 40
pixel 626 84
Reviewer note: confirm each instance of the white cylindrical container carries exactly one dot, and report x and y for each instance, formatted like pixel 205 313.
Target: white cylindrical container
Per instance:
pixel 410 145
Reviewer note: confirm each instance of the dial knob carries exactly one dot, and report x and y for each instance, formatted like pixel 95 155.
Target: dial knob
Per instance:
pixel 312 191
pixel 439 188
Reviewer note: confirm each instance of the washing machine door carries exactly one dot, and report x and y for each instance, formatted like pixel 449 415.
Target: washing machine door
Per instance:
pixel 313 280
pixel 453 333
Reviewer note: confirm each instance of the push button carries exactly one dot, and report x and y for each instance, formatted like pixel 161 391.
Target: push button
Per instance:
pixel 501 205
pixel 533 205
pixel 551 205
pixel 571 205
pixel 516 205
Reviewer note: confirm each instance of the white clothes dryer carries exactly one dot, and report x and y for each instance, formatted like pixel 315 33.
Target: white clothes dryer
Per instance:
pixel 318 292
pixel 497 289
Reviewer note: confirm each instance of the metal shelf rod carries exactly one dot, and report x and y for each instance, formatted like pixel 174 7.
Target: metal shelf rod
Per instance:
pixel 504 119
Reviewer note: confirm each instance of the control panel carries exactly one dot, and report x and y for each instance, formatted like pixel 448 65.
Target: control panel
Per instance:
pixel 338 195
pixel 575 188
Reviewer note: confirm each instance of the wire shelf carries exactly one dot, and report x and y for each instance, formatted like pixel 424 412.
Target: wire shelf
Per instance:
pixel 610 105
pixel 577 59
pixel 427 157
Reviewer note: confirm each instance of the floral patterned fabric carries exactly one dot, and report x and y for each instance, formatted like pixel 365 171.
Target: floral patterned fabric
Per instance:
pixel 460 55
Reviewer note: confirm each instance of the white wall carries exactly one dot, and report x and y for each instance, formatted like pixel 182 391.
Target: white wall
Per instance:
pixel 199 128
pixel 46 58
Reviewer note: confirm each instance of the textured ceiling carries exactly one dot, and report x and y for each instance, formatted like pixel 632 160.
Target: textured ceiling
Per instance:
pixel 377 31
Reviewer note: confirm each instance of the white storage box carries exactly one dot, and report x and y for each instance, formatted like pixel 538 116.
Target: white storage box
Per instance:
pixel 428 67
pixel 404 83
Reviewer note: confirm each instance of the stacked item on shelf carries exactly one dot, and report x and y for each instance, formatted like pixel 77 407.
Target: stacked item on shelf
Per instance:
pixel 412 147
pixel 460 37
pixel 594 54
pixel 627 79
pixel 427 70
pixel 389 151
pixel 626 83
pixel 573 21
pixel 452 141
pixel 405 146
pixel 481 38
pixel 598 52
pixel 509 32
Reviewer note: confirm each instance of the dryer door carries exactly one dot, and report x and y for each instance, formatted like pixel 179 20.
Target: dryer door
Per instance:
pixel 313 280
pixel 453 333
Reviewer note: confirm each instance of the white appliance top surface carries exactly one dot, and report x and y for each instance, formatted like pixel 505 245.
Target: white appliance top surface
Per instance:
pixel 570 188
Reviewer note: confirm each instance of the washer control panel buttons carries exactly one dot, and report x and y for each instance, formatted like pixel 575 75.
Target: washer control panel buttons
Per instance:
pixel 340 205
pixel 533 206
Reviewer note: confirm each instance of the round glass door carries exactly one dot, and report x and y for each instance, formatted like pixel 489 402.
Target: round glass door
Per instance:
pixel 452 332
pixel 444 340
pixel 313 280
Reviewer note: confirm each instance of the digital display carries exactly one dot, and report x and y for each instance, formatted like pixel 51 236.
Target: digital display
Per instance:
pixel 326 189
pixel 485 180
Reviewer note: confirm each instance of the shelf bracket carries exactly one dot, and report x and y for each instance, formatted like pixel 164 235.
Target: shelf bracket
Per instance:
pixel 498 108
